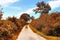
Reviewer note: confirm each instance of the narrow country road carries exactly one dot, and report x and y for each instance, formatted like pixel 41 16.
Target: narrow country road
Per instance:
pixel 28 34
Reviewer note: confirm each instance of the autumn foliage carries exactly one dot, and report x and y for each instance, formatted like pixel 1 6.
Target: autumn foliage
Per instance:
pixel 49 24
pixel 12 26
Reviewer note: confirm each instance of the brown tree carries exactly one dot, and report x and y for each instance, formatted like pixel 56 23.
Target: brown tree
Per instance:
pixel 25 16
pixel 42 7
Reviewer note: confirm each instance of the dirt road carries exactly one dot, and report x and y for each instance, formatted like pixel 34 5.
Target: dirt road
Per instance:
pixel 28 34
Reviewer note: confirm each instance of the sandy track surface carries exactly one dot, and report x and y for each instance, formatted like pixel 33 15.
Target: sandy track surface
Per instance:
pixel 28 34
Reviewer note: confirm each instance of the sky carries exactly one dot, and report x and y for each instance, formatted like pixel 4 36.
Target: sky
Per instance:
pixel 18 7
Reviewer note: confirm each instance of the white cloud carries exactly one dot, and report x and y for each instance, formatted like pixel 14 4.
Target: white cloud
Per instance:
pixel 29 11
pixel 54 4
pixel 17 8
pixel 6 2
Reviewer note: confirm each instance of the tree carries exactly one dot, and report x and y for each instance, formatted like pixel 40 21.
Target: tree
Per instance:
pixel 25 16
pixel 1 13
pixel 42 7
pixel 32 18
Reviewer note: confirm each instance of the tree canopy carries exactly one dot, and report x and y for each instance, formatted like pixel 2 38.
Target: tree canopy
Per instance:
pixel 42 7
